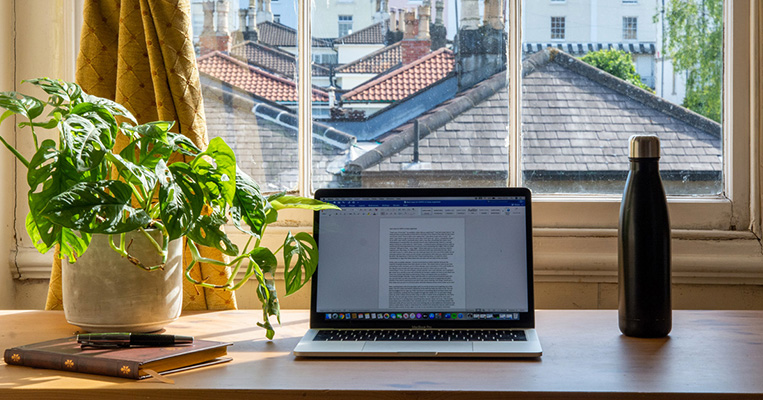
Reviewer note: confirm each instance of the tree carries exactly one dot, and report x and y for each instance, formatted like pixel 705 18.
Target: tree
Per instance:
pixel 617 63
pixel 694 40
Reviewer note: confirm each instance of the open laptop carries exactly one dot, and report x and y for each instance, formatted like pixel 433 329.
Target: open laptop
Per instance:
pixel 423 273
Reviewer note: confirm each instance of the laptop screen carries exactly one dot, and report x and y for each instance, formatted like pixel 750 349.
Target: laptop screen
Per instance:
pixel 436 257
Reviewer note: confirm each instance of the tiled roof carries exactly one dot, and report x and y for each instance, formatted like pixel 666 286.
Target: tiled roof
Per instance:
pixel 373 34
pixel 264 137
pixel 405 81
pixel 273 60
pixel 579 49
pixel 576 119
pixel 251 79
pixel 378 62
pixel 277 35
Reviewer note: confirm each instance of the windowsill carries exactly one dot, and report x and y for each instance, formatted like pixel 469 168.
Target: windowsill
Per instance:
pixel 566 255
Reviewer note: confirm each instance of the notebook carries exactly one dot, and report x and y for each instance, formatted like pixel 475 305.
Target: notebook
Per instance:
pixel 423 273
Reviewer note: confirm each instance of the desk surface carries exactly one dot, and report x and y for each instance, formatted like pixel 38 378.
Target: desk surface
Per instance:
pixel 715 353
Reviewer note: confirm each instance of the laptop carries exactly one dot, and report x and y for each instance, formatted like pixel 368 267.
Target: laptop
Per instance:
pixel 423 273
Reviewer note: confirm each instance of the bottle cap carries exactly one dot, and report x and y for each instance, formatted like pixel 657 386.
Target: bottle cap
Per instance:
pixel 644 147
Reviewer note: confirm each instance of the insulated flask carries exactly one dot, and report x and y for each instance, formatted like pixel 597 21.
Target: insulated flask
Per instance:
pixel 644 245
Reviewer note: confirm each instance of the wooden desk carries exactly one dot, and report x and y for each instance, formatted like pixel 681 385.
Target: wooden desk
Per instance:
pixel 718 354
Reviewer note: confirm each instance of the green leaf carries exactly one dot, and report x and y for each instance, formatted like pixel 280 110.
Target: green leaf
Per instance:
pixel 146 152
pixel 216 172
pixel 286 201
pixel 156 131
pixel 207 230
pixel 182 144
pixel 18 103
pixel 265 259
pixel 45 235
pixel 303 247
pixel 175 210
pixel 96 207
pixel 83 141
pixel 187 179
pixel 138 175
pixel 248 205
pixel 60 91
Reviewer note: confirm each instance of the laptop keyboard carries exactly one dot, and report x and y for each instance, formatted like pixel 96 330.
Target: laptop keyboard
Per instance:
pixel 441 335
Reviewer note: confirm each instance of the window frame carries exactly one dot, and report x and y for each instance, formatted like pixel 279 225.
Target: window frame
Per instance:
pixel 575 235
pixel 630 28
pixel 561 28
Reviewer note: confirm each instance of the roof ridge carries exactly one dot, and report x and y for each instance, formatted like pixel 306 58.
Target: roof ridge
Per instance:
pixel 621 86
pixel 429 122
pixel 369 56
pixel 397 72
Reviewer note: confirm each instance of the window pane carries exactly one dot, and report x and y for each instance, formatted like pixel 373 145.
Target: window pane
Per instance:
pixel 247 67
pixel 576 121
pixel 400 113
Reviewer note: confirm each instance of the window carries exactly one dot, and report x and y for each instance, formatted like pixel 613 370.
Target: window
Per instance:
pixel 277 18
pixel 576 230
pixel 630 28
pixel 557 28
pixel 345 25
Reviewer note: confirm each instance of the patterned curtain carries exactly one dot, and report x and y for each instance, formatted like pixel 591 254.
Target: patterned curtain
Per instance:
pixel 140 54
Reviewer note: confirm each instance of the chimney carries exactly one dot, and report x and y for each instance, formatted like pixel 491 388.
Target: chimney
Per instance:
pixel 416 42
pixel 437 30
pixel 208 38
pixel 251 33
pixel 423 23
pixel 481 49
pixel 494 14
pixel 470 15
pixel 264 14
pixel 238 35
pixel 223 34
pixel 381 14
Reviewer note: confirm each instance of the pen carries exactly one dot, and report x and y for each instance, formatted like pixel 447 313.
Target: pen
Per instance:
pixel 131 340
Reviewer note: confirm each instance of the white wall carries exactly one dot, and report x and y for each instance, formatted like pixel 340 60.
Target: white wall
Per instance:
pixel 350 52
pixel 606 15
pixel 325 22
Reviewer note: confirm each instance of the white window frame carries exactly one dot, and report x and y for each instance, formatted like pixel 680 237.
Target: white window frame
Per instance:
pixel 575 235
pixel 341 22
pixel 626 27
pixel 563 28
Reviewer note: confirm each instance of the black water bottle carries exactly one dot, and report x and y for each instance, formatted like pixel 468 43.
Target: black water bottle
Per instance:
pixel 644 245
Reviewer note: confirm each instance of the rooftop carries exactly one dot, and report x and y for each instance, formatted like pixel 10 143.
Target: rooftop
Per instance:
pixel 277 35
pixel 378 62
pixel 372 34
pixel 576 119
pixel 273 60
pixel 251 79
pixel 405 81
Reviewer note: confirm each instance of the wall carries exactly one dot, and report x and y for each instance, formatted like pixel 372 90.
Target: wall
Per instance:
pixel 43 45
pixel 7 71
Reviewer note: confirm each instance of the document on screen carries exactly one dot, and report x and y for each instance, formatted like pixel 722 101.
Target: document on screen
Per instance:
pixel 422 264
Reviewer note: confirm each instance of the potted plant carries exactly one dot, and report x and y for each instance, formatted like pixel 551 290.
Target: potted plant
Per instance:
pixel 81 187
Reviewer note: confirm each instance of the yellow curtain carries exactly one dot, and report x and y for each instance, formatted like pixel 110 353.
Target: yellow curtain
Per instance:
pixel 140 54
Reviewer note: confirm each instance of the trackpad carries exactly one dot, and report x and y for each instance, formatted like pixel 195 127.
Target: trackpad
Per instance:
pixel 414 347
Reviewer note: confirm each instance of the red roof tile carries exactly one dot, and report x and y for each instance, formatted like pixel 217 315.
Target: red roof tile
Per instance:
pixel 407 80
pixel 377 62
pixel 272 59
pixel 251 79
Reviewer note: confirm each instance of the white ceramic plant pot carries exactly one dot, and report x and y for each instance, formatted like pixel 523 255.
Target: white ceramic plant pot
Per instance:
pixel 103 292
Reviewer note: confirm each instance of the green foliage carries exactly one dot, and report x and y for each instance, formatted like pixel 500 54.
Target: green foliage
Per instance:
pixel 79 187
pixel 617 63
pixel 694 42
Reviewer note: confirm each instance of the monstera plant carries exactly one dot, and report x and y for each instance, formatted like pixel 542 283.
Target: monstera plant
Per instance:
pixel 80 186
